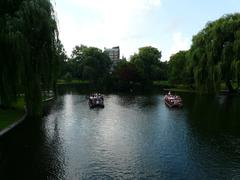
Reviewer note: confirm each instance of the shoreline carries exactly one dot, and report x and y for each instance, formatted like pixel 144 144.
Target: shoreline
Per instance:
pixel 21 119
pixel 13 125
pixel 133 90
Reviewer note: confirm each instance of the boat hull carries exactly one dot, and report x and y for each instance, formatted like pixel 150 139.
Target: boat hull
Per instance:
pixel 173 105
pixel 173 101
pixel 96 106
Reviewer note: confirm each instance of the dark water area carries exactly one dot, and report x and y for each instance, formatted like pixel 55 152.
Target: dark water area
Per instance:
pixel 133 137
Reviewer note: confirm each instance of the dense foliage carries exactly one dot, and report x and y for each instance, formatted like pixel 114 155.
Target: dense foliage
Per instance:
pixel 179 71
pixel 28 51
pixel 126 75
pixel 147 60
pixel 142 69
pixel 213 59
pixel 215 54
pixel 88 63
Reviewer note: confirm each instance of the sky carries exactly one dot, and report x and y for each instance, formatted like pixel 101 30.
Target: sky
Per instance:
pixel 165 24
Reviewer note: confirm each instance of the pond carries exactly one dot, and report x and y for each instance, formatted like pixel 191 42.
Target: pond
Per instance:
pixel 133 137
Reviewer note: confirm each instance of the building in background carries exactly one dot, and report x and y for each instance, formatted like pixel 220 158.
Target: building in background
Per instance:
pixel 114 54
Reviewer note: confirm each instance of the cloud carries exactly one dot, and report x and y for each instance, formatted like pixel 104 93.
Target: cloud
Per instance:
pixel 121 5
pixel 155 2
pixel 178 43
pixel 101 23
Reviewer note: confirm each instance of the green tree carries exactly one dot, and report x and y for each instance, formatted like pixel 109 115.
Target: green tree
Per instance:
pixel 215 55
pixel 89 73
pixel 160 71
pixel 90 63
pixel 178 72
pixel 10 41
pixel 28 51
pixel 126 71
pixel 125 75
pixel 147 59
pixel 62 68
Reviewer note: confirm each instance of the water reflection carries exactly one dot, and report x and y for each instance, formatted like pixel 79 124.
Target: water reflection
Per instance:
pixel 215 132
pixel 215 114
pixel 144 101
pixel 133 137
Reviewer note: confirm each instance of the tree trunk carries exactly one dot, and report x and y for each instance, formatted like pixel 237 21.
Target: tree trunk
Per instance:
pixel 33 97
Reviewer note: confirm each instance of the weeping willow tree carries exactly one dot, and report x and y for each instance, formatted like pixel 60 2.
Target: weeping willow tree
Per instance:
pixel 215 54
pixel 9 42
pixel 28 39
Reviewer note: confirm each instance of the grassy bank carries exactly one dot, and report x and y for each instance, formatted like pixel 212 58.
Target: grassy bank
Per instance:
pixel 75 81
pixel 13 114
pixel 184 87
pixel 166 85
pixel 157 85
pixel 9 116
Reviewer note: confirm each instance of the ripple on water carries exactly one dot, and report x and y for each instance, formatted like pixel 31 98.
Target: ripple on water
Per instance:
pixel 135 137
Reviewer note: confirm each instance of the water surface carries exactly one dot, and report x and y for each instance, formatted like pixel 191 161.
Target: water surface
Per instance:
pixel 133 137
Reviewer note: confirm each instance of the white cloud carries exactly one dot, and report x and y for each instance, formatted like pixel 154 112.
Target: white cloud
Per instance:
pixel 107 22
pixel 178 43
pixel 121 5
pixel 155 2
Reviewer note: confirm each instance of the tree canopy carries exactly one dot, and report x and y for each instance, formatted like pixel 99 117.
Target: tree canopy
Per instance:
pixel 146 60
pixel 89 63
pixel 125 75
pixel 28 51
pixel 178 68
pixel 215 54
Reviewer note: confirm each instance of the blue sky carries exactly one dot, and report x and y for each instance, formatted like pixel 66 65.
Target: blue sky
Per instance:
pixel 165 24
